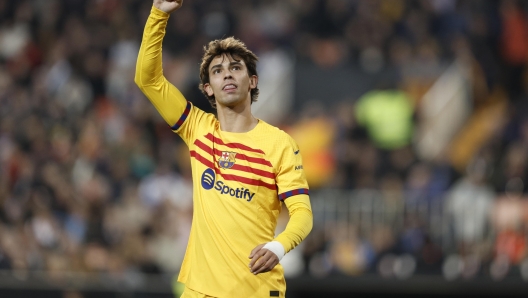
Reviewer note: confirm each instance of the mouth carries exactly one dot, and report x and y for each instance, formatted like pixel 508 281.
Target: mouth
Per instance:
pixel 230 87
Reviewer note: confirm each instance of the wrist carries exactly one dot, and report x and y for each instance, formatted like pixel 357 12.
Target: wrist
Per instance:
pixel 276 248
pixel 155 10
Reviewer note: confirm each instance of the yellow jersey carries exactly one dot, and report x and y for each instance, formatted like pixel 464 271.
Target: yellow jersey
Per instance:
pixel 240 181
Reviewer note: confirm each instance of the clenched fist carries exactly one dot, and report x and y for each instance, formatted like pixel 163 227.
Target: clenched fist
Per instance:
pixel 168 6
pixel 262 260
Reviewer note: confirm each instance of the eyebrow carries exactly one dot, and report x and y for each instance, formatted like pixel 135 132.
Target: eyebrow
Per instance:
pixel 220 65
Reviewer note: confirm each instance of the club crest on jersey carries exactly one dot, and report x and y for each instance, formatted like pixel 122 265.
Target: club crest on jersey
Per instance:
pixel 227 159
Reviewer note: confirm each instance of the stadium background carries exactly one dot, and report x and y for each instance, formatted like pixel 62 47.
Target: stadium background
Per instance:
pixel 410 115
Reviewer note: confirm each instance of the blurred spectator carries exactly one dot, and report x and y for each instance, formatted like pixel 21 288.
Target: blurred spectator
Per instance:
pixel 165 185
pixel 387 116
pixel 514 45
pixel 469 204
pixel 509 222
pixel 314 133
pixel 349 254
pixel 92 180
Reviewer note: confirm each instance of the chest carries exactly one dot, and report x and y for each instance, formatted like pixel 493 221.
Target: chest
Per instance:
pixel 233 167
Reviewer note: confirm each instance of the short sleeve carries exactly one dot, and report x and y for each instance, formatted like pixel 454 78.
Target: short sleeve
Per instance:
pixel 291 179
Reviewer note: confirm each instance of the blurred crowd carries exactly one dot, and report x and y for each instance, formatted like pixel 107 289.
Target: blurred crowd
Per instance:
pixel 92 180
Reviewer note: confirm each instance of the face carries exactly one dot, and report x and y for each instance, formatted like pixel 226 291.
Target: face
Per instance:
pixel 229 81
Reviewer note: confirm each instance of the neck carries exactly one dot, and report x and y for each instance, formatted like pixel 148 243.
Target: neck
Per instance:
pixel 236 119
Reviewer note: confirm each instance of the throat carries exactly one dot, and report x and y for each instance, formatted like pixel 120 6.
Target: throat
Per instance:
pixel 237 117
pixel 237 123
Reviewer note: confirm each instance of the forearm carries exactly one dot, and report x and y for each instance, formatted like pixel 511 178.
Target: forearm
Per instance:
pixel 149 68
pixel 300 223
pixel 168 100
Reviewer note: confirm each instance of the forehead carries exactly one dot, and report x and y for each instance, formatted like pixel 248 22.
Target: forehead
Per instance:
pixel 225 58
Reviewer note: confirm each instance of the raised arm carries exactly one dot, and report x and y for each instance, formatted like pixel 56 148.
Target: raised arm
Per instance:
pixel 168 100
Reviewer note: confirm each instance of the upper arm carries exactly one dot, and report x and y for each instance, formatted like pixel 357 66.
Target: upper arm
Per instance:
pixel 291 179
pixel 167 99
pixel 193 122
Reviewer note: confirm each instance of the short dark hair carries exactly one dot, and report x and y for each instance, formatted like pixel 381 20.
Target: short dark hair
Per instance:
pixel 237 50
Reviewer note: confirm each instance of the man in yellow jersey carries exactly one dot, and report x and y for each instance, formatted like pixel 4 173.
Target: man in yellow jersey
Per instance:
pixel 243 170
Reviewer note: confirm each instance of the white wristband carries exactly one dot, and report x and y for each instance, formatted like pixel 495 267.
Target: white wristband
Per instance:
pixel 275 247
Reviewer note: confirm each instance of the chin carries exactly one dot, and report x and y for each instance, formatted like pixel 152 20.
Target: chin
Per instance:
pixel 230 103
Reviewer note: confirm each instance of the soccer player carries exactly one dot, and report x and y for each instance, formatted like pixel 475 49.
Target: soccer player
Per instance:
pixel 243 170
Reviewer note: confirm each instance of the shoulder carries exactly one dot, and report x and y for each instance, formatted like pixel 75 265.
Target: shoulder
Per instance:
pixel 193 123
pixel 275 140
pixel 275 135
pixel 202 117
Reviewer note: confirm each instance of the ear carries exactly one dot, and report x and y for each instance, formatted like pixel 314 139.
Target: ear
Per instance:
pixel 208 89
pixel 253 82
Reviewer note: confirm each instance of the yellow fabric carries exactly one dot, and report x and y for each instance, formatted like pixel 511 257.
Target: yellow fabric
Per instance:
pixel 189 293
pixel 168 100
pixel 238 180
pixel 300 223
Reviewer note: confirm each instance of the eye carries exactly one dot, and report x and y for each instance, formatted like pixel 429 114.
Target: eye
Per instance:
pixel 216 71
pixel 236 67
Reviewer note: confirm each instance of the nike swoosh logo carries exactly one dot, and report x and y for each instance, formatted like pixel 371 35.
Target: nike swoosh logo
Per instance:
pixel 296 152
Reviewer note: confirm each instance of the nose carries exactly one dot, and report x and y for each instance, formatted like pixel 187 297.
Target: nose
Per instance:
pixel 228 75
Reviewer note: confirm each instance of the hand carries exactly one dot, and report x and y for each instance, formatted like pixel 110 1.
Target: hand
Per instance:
pixel 262 260
pixel 168 6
